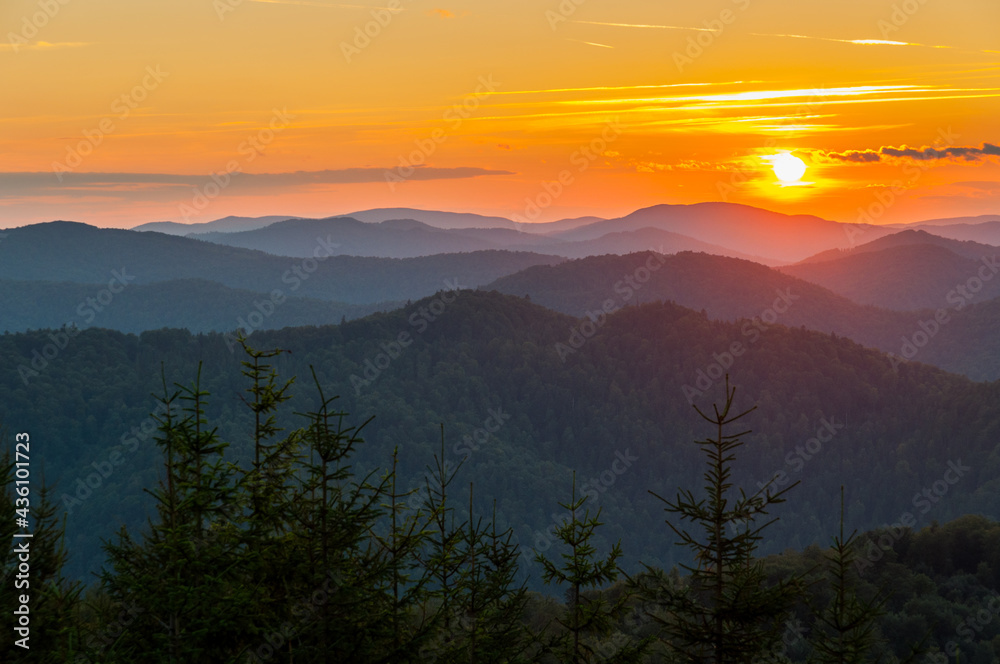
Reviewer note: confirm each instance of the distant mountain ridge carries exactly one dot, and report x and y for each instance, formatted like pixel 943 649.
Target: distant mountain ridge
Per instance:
pixel 985 228
pixel 192 304
pixel 953 221
pixel 732 290
pixel 438 219
pixel 229 224
pixel 434 218
pixel 408 238
pixel 741 230
pixel 73 252
pixel 966 248
pixel 906 271
pixel 755 231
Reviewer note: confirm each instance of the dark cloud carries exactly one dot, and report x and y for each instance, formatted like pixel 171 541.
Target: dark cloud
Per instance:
pixel 85 184
pixel 921 154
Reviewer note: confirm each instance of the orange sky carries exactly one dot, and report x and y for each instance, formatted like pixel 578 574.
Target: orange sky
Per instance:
pixel 116 113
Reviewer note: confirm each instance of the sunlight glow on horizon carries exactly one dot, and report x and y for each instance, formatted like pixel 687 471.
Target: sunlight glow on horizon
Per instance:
pixel 485 104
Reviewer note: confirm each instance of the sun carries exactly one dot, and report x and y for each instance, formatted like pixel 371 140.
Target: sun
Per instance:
pixel 788 168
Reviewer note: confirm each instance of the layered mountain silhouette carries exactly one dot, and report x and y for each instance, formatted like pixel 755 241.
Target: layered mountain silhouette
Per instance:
pixel 66 251
pixel 435 218
pixel 736 290
pixel 726 228
pixel 774 236
pixel 877 293
pixel 595 336
pixel 984 228
pixel 408 238
pixel 907 270
pixel 229 224
pixel 966 248
pixel 193 304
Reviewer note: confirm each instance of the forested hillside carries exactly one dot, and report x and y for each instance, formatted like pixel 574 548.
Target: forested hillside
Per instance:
pixel 65 251
pixel 526 395
pixel 192 304
pixel 955 335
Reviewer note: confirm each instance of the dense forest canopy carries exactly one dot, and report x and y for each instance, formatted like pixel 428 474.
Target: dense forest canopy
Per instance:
pixel 830 412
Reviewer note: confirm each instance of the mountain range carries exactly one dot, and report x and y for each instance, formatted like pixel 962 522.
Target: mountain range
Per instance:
pixel 593 345
pixel 408 238
pixel 739 230
pixel 877 293
pixel 984 228
pixel 72 252
pixel 907 270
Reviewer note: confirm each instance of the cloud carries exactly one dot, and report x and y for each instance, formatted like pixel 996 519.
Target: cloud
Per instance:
pixel 888 152
pixel 87 184
pixel 41 46
pixel 588 43
pixel 644 26
pixel 981 189
pixel 858 42
pixel 441 13
pixel 309 3
pixel 980 185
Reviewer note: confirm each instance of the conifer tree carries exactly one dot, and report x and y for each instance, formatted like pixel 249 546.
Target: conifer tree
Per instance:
pixel 358 552
pixel 341 613
pixel 264 501
pixel 405 580
pixel 268 478
pixel 443 558
pixel 846 629
pixel 588 617
pixel 493 603
pixel 725 612
pixel 184 574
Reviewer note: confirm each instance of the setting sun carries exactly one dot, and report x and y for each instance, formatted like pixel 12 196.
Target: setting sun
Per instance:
pixel 788 168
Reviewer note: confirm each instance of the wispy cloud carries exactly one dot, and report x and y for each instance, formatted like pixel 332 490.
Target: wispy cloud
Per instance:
pixel 580 41
pixel 788 124
pixel 616 88
pixel 42 46
pixel 988 186
pixel 86 184
pixel 757 95
pixel 888 152
pixel 755 98
pixel 860 42
pixel 869 42
pixel 310 3
pixel 644 26
pixel 857 42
